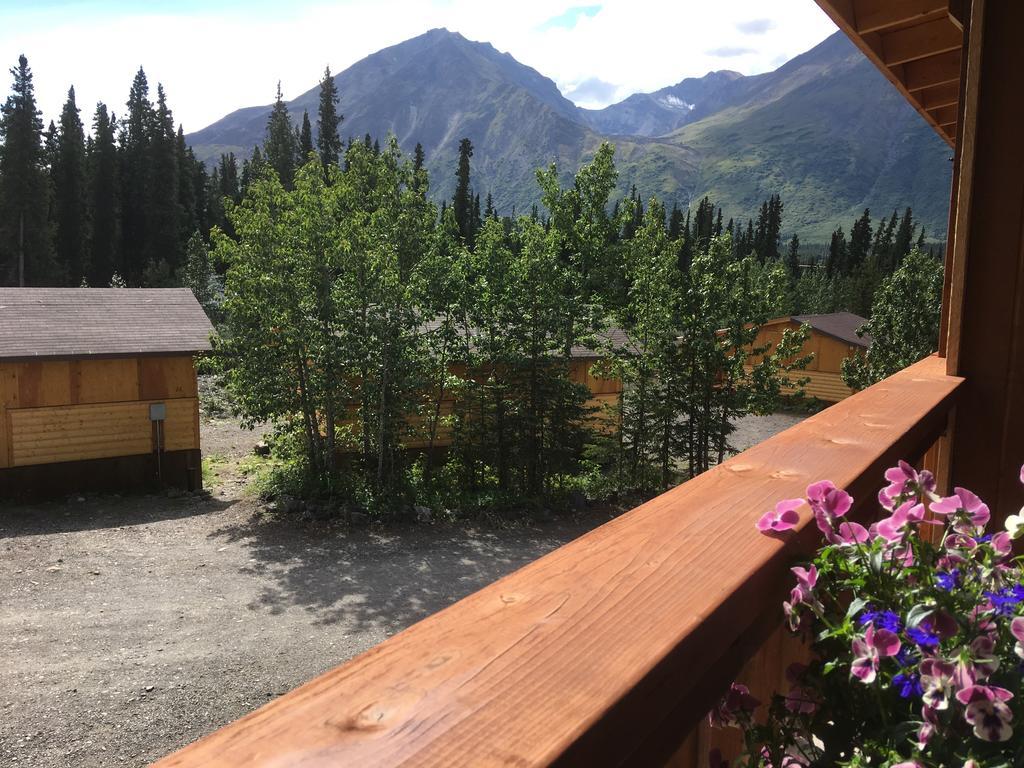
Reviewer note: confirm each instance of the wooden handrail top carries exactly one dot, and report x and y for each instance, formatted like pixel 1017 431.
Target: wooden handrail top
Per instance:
pixel 577 657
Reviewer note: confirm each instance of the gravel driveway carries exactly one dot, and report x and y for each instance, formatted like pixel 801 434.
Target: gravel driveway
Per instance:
pixel 132 626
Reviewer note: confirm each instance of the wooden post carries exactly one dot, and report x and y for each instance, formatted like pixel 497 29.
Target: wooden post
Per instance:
pixel 985 329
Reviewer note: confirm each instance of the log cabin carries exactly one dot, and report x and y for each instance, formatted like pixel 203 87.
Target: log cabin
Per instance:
pixel 833 338
pixel 98 391
pixel 612 649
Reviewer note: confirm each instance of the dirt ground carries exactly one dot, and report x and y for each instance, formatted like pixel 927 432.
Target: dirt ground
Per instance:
pixel 130 626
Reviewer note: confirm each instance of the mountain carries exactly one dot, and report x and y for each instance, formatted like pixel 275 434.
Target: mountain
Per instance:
pixel 830 134
pixel 826 130
pixel 661 112
pixel 436 89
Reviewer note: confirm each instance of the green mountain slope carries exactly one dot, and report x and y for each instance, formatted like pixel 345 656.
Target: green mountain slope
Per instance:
pixel 832 136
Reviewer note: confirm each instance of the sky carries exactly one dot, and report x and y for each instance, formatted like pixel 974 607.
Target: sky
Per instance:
pixel 214 56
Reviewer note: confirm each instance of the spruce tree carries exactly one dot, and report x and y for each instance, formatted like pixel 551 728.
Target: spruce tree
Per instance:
pixel 69 193
pixel 328 121
pixel 675 223
pixel 305 137
pixel 882 245
pixel 793 258
pixel 904 237
pixel 26 255
pixel 419 172
pixel 281 147
pixel 860 240
pixel 137 179
pixel 462 202
pixel 164 233
pixel 761 233
pixel 228 177
pixel 103 199
pixel 836 264
pixel 189 201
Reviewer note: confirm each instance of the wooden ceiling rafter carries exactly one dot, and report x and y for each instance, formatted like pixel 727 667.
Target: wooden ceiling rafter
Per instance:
pixel 916 44
pixel 877 15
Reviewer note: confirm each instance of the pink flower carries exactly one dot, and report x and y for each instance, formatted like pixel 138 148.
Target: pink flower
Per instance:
pixel 1017 630
pixel 904 480
pixel 908 764
pixel 986 710
pixel 737 703
pixel 825 496
pixel 892 528
pixel 924 735
pixel 869 650
pixel 828 504
pixel 963 500
pixel 1022 474
pixel 782 518
pixel 1002 544
pixel 806 578
pixel 850 533
pixel 801 700
pixel 903 556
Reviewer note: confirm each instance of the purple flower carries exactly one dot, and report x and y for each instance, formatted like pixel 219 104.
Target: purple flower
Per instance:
pixel 937 680
pixel 869 650
pixel 986 710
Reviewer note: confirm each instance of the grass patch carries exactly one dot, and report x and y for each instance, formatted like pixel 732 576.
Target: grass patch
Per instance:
pixel 213 465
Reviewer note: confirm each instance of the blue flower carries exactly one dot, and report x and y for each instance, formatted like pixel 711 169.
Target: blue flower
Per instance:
pixel 880 619
pixel 984 539
pixel 947 581
pixel 924 636
pixel 905 657
pixel 908 684
pixel 1006 600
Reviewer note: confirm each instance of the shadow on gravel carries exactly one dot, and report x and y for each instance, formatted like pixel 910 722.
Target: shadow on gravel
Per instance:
pixel 92 512
pixel 386 579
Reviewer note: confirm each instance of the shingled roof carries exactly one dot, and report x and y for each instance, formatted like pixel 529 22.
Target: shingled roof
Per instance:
pixel 37 323
pixel 839 325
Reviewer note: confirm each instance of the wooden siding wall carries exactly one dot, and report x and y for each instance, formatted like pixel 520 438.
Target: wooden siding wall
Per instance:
pixel 824 370
pixel 72 410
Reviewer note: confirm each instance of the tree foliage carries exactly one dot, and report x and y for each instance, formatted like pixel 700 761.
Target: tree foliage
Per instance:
pixel 904 324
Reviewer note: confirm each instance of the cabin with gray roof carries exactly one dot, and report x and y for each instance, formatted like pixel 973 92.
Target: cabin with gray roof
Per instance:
pixel 833 338
pixel 98 390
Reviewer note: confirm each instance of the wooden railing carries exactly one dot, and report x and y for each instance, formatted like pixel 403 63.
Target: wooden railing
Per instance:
pixel 611 649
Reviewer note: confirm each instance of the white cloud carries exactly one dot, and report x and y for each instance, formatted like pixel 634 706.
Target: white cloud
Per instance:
pixel 214 61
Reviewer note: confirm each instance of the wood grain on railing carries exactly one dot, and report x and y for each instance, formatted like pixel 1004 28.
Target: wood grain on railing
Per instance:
pixel 609 649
